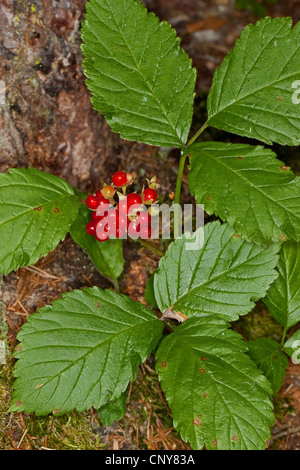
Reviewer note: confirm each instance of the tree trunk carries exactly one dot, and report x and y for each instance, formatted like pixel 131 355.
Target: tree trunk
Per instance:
pixel 46 118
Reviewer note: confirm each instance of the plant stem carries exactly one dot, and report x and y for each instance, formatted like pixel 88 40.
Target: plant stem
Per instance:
pixel 150 247
pixel 116 285
pixel 179 179
pixel 177 193
pixel 283 336
pixel 195 137
pixel 169 325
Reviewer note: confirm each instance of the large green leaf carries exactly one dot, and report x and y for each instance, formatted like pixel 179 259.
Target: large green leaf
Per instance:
pixel 283 297
pixel 106 256
pixel 36 211
pixel 247 186
pixel 139 76
pixel 81 352
pixel 225 277
pixel 254 91
pixel 269 358
pixel 217 396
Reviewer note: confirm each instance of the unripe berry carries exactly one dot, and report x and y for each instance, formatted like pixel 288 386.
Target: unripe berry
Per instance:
pixel 108 191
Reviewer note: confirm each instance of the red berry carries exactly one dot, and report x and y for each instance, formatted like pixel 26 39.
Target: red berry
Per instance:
pixel 119 179
pixel 127 202
pixel 99 194
pixel 145 232
pixel 116 223
pixel 144 217
pixel 91 229
pixel 96 218
pixel 122 224
pixel 134 198
pixel 149 196
pixel 92 202
pixel 101 198
pixel 134 229
pixel 101 231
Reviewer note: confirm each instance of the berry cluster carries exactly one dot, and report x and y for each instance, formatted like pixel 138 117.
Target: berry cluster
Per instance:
pixel 116 214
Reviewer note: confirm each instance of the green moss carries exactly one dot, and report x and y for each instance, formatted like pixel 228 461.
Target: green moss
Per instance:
pixel 258 324
pixel 68 432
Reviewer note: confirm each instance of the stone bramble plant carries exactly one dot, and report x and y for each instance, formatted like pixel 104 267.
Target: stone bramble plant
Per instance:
pixel 84 349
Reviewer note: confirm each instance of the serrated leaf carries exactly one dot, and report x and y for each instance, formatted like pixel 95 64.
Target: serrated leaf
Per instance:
pixel 292 347
pixel 248 187
pixel 139 76
pixel 81 352
pixel 283 297
pixel 225 277
pixel 113 411
pixel 254 92
pixel 217 396
pixel 36 211
pixel 270 359
pixel 107 256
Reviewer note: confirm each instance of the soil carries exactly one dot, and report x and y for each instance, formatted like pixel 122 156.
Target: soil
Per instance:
pixel 48 123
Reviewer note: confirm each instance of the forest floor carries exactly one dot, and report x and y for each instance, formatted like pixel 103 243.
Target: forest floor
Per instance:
pixel 50 124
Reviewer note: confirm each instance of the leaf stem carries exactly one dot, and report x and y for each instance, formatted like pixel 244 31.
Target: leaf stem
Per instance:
pixel 116 285
pixel 177 193
pixel 195 137
pixel 283 336
pixel 150 247
pixel 179 179
pixel 169 325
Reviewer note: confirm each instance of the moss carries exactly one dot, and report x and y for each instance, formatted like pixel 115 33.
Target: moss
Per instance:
pixel 258 324
pixel 68 432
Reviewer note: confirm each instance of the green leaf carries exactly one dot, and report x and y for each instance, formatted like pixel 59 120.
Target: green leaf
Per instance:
pixel 81 352
pixel 247 186
pixel 270 359
pixel 149 293
pixel 217 396
pixel 283 297
pixel 113 410
pixel 106 256
pixel 292 347
pixel 254 92
pixel 139 76
pixel 225 277
pixel 36 211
